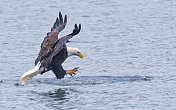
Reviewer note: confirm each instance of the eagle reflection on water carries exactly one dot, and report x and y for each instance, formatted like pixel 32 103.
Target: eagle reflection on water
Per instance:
pixel 57 95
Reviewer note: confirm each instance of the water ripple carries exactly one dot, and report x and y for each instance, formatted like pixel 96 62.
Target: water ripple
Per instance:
pixel 92 80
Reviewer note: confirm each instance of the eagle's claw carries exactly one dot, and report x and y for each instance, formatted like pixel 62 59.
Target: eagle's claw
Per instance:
pixel 72 72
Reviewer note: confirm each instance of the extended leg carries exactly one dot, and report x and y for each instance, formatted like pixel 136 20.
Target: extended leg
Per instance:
pixel 72 72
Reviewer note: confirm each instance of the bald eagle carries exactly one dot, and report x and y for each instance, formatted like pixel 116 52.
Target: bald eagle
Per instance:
pixel 54 52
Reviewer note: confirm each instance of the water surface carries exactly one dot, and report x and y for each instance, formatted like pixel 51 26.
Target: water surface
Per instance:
pixel 129 48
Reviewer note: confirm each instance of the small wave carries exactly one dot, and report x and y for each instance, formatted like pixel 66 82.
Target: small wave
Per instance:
pixel 82 80
pixel 92 80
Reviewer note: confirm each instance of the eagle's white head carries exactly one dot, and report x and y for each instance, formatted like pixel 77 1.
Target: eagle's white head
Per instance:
pixel 74 51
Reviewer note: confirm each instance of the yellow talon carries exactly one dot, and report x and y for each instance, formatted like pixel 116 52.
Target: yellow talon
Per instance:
pixel 72 72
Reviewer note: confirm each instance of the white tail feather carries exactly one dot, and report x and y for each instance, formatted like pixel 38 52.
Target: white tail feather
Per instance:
pixel 30 74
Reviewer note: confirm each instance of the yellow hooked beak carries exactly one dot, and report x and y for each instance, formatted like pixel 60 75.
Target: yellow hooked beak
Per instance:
pixel 80 55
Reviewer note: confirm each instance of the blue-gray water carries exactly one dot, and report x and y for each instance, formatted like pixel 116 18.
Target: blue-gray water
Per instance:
pixel 129 49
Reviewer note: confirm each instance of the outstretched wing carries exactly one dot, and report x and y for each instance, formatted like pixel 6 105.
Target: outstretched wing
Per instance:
pixel 49 41
pixel 61 42
pixel 59 47
pixel 59 53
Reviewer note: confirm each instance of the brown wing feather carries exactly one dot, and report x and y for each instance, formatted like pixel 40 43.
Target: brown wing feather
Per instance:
pixel 59 46
pixel 63 40
pixel 49 41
